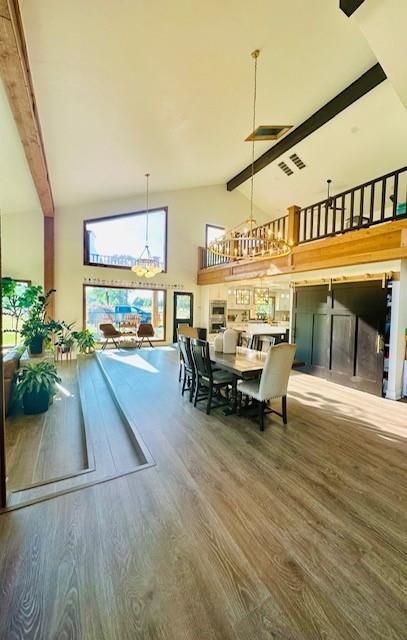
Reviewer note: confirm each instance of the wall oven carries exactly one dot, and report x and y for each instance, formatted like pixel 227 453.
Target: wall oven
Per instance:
pixel 217 315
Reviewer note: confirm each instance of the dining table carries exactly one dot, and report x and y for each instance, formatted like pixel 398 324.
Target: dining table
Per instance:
pixel 245 363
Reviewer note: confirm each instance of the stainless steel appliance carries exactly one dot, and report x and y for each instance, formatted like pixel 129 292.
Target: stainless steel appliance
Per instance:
pixel 217 315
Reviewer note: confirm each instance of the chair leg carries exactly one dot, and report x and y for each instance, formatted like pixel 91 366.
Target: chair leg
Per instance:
pixel 115 343
pixel 196 391
pixel 284 408
pixel 149 342
pixel 104 345
pixel 184 382
pixel 180 371
pixel 239 402
pixel 192 388
pixel 208 404
pixel 261 415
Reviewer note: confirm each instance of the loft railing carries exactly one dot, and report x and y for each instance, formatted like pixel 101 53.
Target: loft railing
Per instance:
pixel 373 202
pixel 278 227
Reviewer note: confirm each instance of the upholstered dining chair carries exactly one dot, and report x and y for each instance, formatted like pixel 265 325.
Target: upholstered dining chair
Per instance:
pixel 273 381
pixel 145 332
pixel 208 380
pixel 110 333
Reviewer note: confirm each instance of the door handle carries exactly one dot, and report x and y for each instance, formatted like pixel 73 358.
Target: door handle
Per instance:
pixel 379 343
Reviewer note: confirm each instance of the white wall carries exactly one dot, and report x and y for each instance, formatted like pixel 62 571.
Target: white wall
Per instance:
pixel 397 334
pixel 189 211
pixel 22 246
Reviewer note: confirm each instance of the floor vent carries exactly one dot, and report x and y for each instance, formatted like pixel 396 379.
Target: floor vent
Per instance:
pixel 297 161
pixel 284 167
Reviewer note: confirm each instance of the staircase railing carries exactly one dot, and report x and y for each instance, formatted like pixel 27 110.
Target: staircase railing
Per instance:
pixel 370 203
pixel 278 226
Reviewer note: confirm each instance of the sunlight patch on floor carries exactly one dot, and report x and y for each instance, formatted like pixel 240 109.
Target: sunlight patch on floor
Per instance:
pixel 134 360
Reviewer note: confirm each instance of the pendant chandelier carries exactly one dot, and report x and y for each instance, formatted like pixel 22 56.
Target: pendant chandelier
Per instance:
pixel 146 265
pixel 247 240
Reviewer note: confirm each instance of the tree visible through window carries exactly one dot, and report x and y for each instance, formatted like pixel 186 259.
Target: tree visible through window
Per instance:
pixel 118 240
pixel 119 305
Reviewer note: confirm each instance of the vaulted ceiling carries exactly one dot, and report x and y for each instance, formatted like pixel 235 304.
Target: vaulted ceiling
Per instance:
pixel 125 86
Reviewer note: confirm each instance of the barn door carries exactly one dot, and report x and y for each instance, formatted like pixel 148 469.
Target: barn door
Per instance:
pixel 311 328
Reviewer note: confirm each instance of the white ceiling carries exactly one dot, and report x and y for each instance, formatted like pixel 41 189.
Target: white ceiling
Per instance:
pixel 17 191
pixel 123 86
pixel 363 142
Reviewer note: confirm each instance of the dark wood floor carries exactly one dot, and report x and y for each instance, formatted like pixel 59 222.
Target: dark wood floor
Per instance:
pixel 295 533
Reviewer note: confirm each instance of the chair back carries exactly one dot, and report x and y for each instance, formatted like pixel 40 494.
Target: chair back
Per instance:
pixel 277 368
pixel 260 342
pixel 185 351
pixel 201 357
pixel 186 330
pixel 145 330
pixel 108 330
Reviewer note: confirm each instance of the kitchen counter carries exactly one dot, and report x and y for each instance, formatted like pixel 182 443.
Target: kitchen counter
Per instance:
pixel 254 328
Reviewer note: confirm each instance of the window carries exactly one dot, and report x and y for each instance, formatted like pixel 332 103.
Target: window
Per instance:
pixel 14 309
pixel 122 306
pixel 118 240
pixel 213 233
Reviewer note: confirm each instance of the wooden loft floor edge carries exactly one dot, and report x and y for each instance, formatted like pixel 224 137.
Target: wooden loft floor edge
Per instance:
pixel 375 244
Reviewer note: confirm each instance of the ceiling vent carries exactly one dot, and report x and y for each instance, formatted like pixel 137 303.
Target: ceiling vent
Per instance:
pixel 284 167
pixel 268 132
pixel 297 161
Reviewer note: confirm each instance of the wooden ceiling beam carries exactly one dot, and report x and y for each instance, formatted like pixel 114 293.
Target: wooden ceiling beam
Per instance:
pixel 365 83
pixel 15 73
pixel 350 6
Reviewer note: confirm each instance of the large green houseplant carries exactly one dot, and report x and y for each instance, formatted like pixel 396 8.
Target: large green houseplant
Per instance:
pixel 36 385
pixel 17 298
pixel 36 328
pixel 85 340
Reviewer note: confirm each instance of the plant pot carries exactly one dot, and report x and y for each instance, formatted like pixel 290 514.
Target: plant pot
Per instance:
pixel 36 345
pixel 36 402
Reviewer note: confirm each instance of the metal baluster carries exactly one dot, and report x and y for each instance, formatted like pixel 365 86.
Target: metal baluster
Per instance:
pixel 371 213
pixel 361 206
pixel 343 213
pixel 352 206
pixel 395 194
pixel 383 202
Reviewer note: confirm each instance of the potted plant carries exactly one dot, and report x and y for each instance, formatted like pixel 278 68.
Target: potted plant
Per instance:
pixel 36 327
pixel 85 340
pixel 65 338
pixel 36 386
pixel 17 298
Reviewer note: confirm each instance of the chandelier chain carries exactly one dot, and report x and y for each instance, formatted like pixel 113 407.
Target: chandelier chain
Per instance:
pixel 147 210
pixel 255 55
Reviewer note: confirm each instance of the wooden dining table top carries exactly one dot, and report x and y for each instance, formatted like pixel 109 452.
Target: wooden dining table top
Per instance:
pixel 244 361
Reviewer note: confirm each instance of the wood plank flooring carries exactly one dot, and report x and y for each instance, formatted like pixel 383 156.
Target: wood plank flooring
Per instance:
pixel 296 533
pixel 46 446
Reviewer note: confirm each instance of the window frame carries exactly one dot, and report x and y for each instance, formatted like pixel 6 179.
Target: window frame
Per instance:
pixel 213 226
pixel 120 286
pixel 123 215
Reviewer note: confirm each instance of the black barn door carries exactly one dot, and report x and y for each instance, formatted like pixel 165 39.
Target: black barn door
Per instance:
pixel 340 332
pixel 311 328
pixel 358 312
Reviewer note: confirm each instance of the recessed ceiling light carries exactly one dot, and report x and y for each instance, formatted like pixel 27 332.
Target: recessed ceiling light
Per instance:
pixel 269 132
